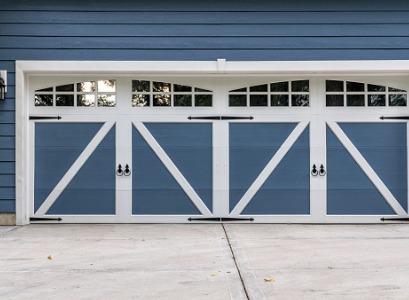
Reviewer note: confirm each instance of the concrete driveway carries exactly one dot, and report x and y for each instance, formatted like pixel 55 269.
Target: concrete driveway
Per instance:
pixel 212 261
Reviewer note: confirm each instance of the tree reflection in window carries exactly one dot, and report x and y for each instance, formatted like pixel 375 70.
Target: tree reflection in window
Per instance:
pixel 147 93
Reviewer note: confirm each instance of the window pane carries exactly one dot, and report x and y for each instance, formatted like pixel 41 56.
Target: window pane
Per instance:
pixel 199 90
pixel 106 100
pixel 258 100
pixel 355 100
pixel 183 100
pixel 50 89
pixel 355 86
pixel 237 100
pixel 107 86
pixel 335 100
pixel 161 100
pixel 86 87
pixel 141 86
pixel 279 86
pixel 279 100
pixel 300 86
pixel 241 90
pixel 182 88
pixel 43 100
pixel 259 88
pixel 140 100
pixel 203 100
pixel 397 100
pixel 86 100
pixel 396 90
pixel 334 86
pixel 300 100
pixel 64 100
pixel 65 88
pixel 376 88
pixel 376 100
pixel 162 87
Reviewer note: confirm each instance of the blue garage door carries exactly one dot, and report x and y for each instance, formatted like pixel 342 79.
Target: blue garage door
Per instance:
pixel 367 169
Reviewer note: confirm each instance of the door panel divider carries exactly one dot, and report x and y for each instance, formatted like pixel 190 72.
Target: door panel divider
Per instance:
pixel 76 166
pixel 366 168
pixel 269 168
pixel 181 180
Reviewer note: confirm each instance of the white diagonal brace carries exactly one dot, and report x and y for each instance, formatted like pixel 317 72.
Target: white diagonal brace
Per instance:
pixel 76 166
pixel 269 168
pixel 366 168
pixel 168 163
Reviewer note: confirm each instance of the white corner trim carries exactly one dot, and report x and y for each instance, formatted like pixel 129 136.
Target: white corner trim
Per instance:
pixel 221 66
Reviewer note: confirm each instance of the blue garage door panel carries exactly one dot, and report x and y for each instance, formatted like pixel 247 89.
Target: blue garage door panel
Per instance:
pixel 384 148
pixel 92 190
pixel 287 190
pixel 349 190
pixel 57 146
pixel 154 190
pixel 251 148
pixel 189 146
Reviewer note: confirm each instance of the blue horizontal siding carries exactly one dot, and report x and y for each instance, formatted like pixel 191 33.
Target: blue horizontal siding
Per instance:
pixel 190 30
pixel 7 193
pixel 8 206
pixel 210 5
pixel 7 181
pixel 214 17
pixel 204 43
pixel 7 154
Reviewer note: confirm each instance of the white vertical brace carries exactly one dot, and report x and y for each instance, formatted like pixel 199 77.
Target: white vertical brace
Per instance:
pixel 181 180
pixel 76 166
pixel 270 167
pixel 366 168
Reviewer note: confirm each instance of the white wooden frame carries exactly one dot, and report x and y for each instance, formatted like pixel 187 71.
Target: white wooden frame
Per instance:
pixel 26 71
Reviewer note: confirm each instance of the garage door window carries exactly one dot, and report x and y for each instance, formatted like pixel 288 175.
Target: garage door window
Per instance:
pixel 275 94
pixel 101 93
pixel 349 93
pixel 164 94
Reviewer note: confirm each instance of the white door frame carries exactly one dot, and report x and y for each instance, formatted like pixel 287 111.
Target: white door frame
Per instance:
pixel 28 70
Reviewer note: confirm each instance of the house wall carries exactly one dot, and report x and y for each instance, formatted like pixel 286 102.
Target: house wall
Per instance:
pixel 189 30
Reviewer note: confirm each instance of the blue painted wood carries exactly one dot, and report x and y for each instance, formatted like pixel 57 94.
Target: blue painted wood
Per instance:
pixel 7 117
pixel 251 148
pixel 7 168
pixel 92 190
pixel 7 206
pixel 349 190
pixel 384 146
pixel 212 5
pixel 186 55
pixel 287 189
pixel 154 190
pixel 7 193
pixel 7 154
pixel 205 17
pixel 7 142
pixel 7 129
pixel 8 105
pixel 203 43
pixel 189 146
pixel 7 181
pixel 57 146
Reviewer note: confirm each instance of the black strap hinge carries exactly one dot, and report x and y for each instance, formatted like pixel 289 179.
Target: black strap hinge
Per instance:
pixel 395 219
pixel 45 118
pixel 221 219
pixel 395 118
pixel 33 219
pixel 220 118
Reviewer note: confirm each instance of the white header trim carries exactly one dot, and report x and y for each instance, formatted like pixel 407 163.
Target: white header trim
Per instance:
pixel 221 66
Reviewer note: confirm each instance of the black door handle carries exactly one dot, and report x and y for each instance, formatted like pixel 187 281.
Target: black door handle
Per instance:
pixel 127 171
pixel 322 171
pixel 119 171
pixel 314 171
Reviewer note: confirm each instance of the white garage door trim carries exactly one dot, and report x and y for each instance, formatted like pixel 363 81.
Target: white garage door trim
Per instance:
pixel 25 69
